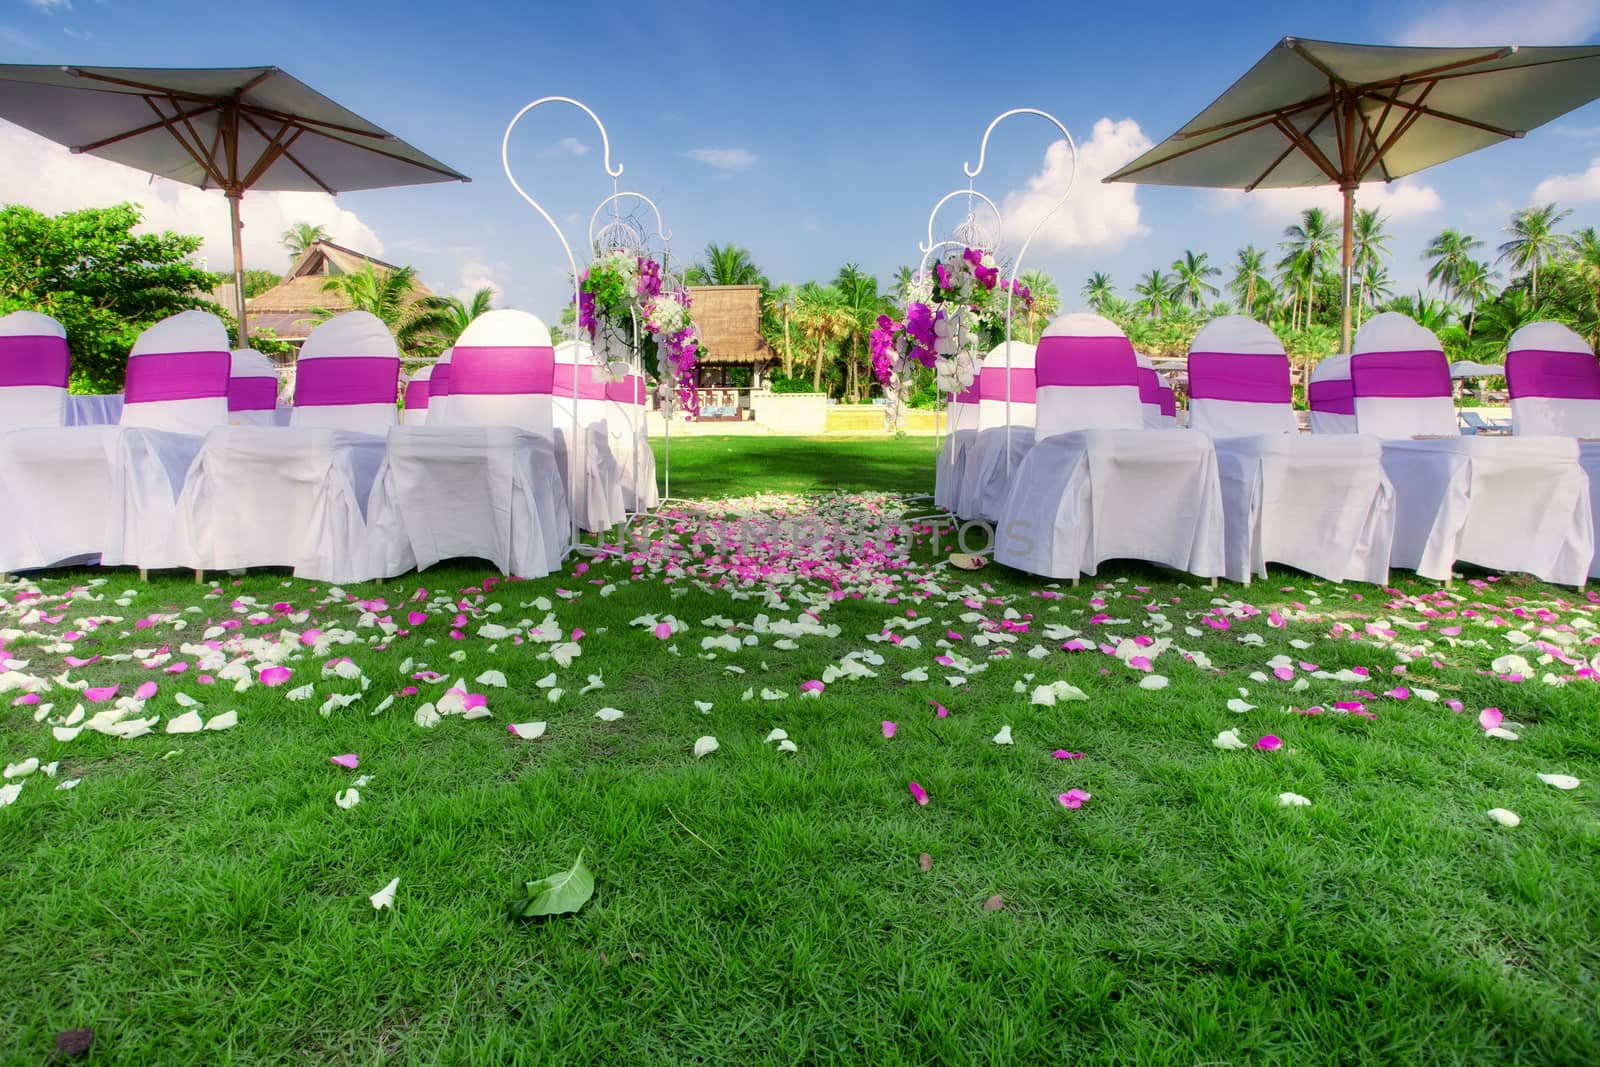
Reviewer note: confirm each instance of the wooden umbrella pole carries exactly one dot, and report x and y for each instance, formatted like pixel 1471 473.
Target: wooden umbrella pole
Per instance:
pixel 1348 259
pixel 238 266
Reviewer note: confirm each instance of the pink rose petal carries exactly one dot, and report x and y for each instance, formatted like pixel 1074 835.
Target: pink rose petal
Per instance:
pixel 1269 743
pixel 416 618
pixel 76 661
pixel 25 699
pixel 663 630
pixel 1490 718
pixel 889 728
pixel 145 691
pixel 270 676
pixel 812 686
pixel 348 760
pixel 919 794
pixel 99 696
pixel 310 637
pixel 1073 798
pixel 1062 753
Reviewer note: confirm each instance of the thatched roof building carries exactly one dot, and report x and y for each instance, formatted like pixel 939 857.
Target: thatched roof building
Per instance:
pixel 288 308
pixel 728 320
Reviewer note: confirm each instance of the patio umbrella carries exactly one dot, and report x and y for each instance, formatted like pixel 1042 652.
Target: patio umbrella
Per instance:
pixel 233 128
pixel 1322 113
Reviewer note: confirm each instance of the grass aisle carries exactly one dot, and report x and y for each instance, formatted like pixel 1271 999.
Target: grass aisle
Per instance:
pixel 202 898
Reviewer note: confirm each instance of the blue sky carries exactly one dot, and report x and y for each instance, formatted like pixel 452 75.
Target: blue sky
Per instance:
pixel 812 134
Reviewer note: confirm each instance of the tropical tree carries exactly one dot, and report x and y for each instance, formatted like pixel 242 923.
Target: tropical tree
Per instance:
pixel 301 236
pixel 862 304
pixel 1097 289
pixel 1434 315
pixel 1046 302
pixel 1370 249
pixel 457 314
pixel 1191 279
pixel 1448 255
pixel 1308 247
pixel 1249 277
pixel 779 304
pixel 725 265
pixel 1375 289
pixel 1534 242
pixel 1474 283
pixel 103 282
pixel 420 324
pixel 1155 295
pixel 824 319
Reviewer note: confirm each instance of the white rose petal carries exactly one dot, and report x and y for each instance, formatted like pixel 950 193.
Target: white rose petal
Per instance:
pixel 705 746
pixel 1504 816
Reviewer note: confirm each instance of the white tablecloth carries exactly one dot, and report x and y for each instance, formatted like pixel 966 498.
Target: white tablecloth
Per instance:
pixel 1321 504
pixel 292 496
pixel 1505 503
pixel 488 492
pixel 1084 497
pixel 598 501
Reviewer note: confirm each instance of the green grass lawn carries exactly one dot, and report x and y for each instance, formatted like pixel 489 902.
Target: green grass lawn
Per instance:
pixel 201 898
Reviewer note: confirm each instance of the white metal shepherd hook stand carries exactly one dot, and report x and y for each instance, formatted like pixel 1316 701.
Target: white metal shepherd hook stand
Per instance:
pixel 1016 266
pixel 575 545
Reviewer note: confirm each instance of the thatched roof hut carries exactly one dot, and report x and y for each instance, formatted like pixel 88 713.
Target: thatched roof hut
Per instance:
pixel 728 320
pixel 287 309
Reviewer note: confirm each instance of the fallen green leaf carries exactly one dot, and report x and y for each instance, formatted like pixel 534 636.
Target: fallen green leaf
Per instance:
pixel 558 894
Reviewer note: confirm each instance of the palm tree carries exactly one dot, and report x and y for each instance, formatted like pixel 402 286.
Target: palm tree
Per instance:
pixel 725 265
pixel 301 236
pixel 1586 259
pixel 458 314
pixel 780 303
pixel 1309 245
pixel 862 304
pixel 1370 250
pixel 1475 284
pixel 1434 315
pixel 1190 275
pixel 823 318
pixel 1249 275
pixel 1096 289
pixel 1447 255
pixel 1375 288
pixel 1534 242
pixel 420 324
pixel 1155 294
pixel 1046 297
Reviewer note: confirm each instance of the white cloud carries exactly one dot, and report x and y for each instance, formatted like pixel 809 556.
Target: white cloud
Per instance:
pixel 726 160
pixel 1397 200
pixel 1501 22
pixel 1580 187
pixel 567 146
pixel 18 39
pixel 1096 215
pixel 476 275
pixel 51 179
pixel 49 6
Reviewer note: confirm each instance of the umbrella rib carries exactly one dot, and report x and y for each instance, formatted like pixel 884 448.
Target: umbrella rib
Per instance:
pixel 198 140
pixel 1127 172
pixel 205 164
pixel 1309 147
pixel 126 135
pixel 442 170
pixel 276 146
pixel 1419 110
pixel 290 156
pixel 1272 167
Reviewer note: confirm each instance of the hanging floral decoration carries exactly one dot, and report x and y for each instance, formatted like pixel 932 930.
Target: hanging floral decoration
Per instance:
pixel 625 304
pixel 950 312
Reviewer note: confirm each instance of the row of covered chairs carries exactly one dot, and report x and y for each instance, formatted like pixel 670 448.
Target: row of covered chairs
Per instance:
pixel 197 473
pixel 1094 473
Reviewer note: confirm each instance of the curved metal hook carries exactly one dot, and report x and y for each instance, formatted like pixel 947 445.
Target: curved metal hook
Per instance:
pixel 931 244
pixel 665 234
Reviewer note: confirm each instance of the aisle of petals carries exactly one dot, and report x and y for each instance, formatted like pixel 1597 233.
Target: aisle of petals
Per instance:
pixel 790 560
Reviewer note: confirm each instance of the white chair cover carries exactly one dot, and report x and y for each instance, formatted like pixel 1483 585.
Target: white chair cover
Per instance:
pixel 439 387
pixel 485 482
pixel 1333 407
pixel 630 442
pixel 296 496
pixel 93 409
pixel 1554 380
pixel 1321 504
pixel 984 483
pixel 1169 405
pixel 591 466
pixel 1098 486
pixel 1510 504
pixel 962 423
pixel 415 409
pixel 34 368
pixel 1150 393
pixel 78 492
pixel 252 389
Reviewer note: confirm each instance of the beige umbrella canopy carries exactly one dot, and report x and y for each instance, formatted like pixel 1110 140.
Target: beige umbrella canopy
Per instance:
pixel 233 128
pixel 1321 113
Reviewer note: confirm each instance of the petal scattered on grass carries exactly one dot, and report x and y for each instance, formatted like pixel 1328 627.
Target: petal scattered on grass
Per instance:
pixel 1073 798
pixel 528 731
pixel 349 760
pixel 889 728
pixel 608 714
pixel 1293 800
pixel 384 898
pixel 347 799
pixel 1003 737
pixel 1505 816
pixel 1269 743
pixel 704 746
pixel 1229 741
pixel 919 794
pixel 1560 781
